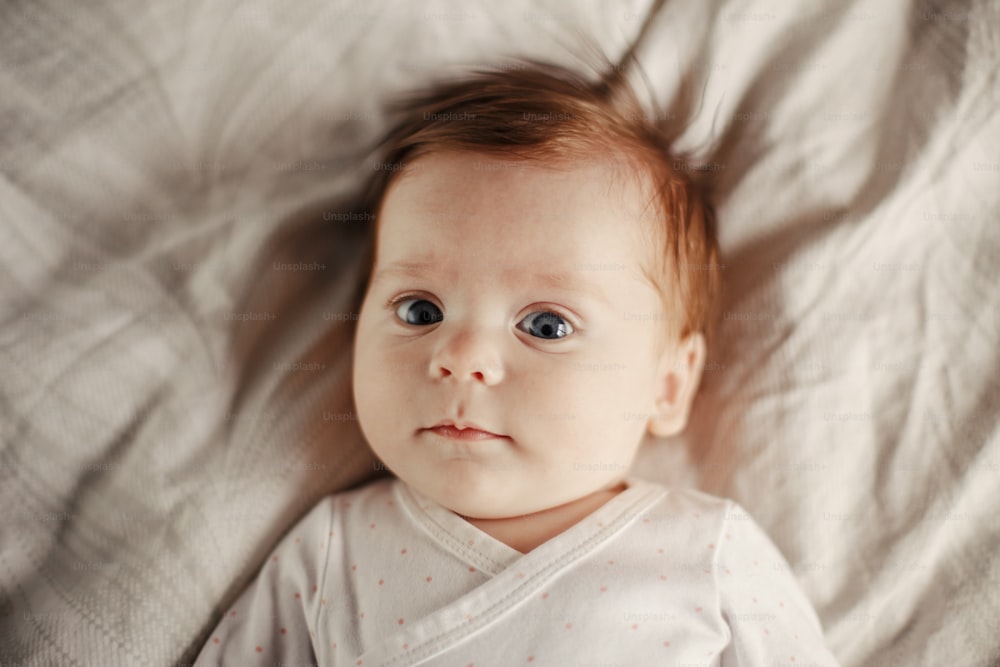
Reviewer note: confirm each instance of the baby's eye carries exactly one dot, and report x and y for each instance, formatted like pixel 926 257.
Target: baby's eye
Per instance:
pixel 545 324
pixel 418 311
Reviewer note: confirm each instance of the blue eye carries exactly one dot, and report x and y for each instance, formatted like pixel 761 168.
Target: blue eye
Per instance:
pixel 418 312
pixel 546 325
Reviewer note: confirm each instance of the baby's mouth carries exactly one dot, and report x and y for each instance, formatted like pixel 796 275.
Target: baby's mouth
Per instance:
pixel 467 433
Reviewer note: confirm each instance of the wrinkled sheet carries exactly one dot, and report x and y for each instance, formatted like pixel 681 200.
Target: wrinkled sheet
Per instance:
pixel 179 277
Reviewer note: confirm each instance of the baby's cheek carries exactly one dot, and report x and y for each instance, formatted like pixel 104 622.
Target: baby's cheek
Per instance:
pixel 584 411
pixel 374 384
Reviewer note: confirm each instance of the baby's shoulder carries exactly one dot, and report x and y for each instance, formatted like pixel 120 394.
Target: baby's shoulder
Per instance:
pixel 699 519
pixel 693 502
pixel 377 489
pixel 351 501
pixel 692 511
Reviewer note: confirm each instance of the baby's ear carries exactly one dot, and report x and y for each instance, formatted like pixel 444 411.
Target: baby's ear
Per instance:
pixel 676 384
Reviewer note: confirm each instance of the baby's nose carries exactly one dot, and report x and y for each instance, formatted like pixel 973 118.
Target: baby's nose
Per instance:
pixel 467 356
pixel 488 374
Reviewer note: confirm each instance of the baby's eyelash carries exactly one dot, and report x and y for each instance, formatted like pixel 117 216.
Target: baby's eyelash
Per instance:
pixel 559 312
pixel 396 300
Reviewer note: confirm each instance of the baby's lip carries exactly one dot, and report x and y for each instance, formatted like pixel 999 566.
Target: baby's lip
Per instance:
pixel 463 430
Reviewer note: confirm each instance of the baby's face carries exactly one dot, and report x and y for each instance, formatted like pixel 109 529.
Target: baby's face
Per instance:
pixel 510 298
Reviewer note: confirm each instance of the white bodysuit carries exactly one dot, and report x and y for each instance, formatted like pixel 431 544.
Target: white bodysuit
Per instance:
pixel 383 576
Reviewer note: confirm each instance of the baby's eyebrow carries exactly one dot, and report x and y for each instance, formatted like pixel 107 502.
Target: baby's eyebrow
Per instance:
pixel 564 282
pixel 406 269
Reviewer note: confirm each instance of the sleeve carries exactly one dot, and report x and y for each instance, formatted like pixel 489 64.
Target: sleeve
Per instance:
pixel 274 619
pixel 770 619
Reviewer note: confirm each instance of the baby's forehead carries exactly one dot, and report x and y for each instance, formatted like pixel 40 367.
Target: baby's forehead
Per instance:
pixel 443 183
pixel 582 217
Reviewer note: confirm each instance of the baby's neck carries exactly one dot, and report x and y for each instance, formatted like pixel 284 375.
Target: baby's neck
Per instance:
pixel 528 531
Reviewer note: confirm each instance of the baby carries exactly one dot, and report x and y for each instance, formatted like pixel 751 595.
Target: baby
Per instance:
pixel 543 272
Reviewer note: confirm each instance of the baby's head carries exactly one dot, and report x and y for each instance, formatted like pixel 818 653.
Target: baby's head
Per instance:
pixel 542 272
